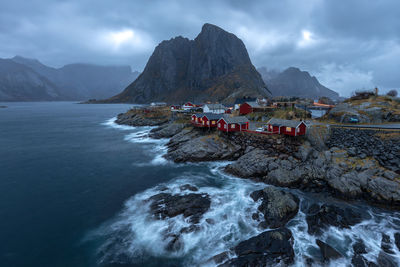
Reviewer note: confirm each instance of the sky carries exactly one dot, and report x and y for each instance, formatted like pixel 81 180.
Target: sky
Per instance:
pixel 348 45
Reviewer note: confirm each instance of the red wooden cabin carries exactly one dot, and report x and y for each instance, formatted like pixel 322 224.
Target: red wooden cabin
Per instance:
pixel 287 127
pixel 233 124
pixel 210 119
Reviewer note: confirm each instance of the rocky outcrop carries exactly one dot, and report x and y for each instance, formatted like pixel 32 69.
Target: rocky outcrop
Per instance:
pixel 166 130
pixel 266 249
pixel 328 252
pixel 214 66
pixel 277 206
pixel 135 119
pixel 191 206
pixel 320 217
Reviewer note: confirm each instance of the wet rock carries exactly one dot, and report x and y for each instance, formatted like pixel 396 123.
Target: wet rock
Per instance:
pixel 386 244
pixel 347 185
pixel 137 119
pixel 188 187
pixel 386 260
pixel 266 249
pixel 190 229
pixel 384 191
pixel 284 178
pixel 360 261
pixel 397 240
pixel 359 247
pixel 277 206
pixel 320 217
pixel 221 257
pixel 254 163
pixel 175 243
pixel 165 205
pixel 328 252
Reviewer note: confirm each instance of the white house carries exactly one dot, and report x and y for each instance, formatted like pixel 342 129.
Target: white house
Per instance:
pixel 214 108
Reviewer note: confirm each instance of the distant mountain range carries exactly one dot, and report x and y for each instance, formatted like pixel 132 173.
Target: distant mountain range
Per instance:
pixel 294 82
pixel 215 66
pixel 23 79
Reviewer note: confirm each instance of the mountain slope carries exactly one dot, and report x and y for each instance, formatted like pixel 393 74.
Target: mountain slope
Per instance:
pixel 294 82
pixel 20 83
pixel 214 66
pixel 83 81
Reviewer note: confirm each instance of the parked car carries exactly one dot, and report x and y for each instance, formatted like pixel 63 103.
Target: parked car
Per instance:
pixel 261 129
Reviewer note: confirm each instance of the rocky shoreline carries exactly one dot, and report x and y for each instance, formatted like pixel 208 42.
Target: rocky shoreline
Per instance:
pixel 335 164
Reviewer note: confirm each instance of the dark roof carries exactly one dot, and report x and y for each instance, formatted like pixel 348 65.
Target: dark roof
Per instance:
pixel 237 119
pixel 213 116
pixel 242 100
pixel 215 106
pixel 287 123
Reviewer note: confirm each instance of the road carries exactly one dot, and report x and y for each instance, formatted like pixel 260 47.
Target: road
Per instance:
pixel 391 126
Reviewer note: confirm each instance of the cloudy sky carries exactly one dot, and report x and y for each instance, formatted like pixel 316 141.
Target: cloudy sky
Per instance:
pixel 347 45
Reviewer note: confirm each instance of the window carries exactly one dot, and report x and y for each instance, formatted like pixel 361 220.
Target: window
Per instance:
pixel 208 123
pixel 219 125
pixel 288 129
pixel 213 122
pixel 298 129
pixel 224 126
pixel 233 126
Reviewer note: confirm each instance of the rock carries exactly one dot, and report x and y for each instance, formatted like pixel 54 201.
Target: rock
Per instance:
pixel 254 163
pixel 284 178
pixel 386 260
pixel 386 244
pixel 360 261
pixel 166 131
pixel 397 240
pixel 277 206
pixel 220 258
pixel 347 185
pixel 188 187
pixel 359 247
pixel 266 249
pixel 165 205
pixel 175 243
pixel 320 217
pixel 328 252
pixel 304 151
pixel 384 191
pixel 390 175
pixel 137 119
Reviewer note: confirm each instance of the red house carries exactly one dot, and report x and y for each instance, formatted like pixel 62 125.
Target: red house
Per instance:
pixel 287 127
pixel 233 124
pixel 211 119
pixel 250 107
pixel 197 119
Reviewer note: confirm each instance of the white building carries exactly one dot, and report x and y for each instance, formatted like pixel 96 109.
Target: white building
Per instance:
pixel 214 108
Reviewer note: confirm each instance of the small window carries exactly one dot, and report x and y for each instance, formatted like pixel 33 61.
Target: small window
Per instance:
pixel 213 122
pixel 233 126
pixel 225 126
pixel 219 125
pixel 288 129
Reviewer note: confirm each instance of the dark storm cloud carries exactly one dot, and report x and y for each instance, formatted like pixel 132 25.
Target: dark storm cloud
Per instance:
pixel 346 44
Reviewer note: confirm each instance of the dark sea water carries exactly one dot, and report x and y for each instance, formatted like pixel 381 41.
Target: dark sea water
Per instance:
pixel 72 185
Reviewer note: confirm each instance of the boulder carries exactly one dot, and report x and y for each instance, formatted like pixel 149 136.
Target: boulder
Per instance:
pixel 347 185
pixel 266 249
pixel 166 205
pixel 320 217
pixel 254 163
pixel 277 206
pixel 328 252
pixel 383 190
pixel 386 260
pixel 397 240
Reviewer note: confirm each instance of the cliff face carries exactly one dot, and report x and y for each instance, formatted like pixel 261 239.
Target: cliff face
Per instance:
pixel 214 66
pixel 294 82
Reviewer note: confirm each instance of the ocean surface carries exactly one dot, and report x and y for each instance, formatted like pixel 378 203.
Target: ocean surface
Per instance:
pixel 72 185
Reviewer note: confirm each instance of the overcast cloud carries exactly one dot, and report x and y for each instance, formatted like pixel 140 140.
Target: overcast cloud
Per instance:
pixel 347 45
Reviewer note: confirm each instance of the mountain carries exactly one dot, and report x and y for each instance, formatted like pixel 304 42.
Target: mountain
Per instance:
pixel 20 83
pixel 78 81
pixel 294 82
pixel 214 66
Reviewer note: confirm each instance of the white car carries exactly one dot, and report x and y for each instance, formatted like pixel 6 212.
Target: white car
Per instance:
pixel 261 129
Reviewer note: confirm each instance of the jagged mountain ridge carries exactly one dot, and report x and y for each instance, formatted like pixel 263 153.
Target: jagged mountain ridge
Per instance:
pixel 70 82
pixel 214 66
pixel 295 82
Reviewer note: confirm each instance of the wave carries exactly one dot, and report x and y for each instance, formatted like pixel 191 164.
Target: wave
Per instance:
pixel 111 123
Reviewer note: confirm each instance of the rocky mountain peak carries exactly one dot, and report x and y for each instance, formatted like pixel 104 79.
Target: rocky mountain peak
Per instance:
pixel 215 66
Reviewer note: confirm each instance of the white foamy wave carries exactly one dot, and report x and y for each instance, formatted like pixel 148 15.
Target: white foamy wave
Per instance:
pixel 224 225
pixel 111 123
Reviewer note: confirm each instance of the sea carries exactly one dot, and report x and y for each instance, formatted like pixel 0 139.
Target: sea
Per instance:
pixel 73 185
